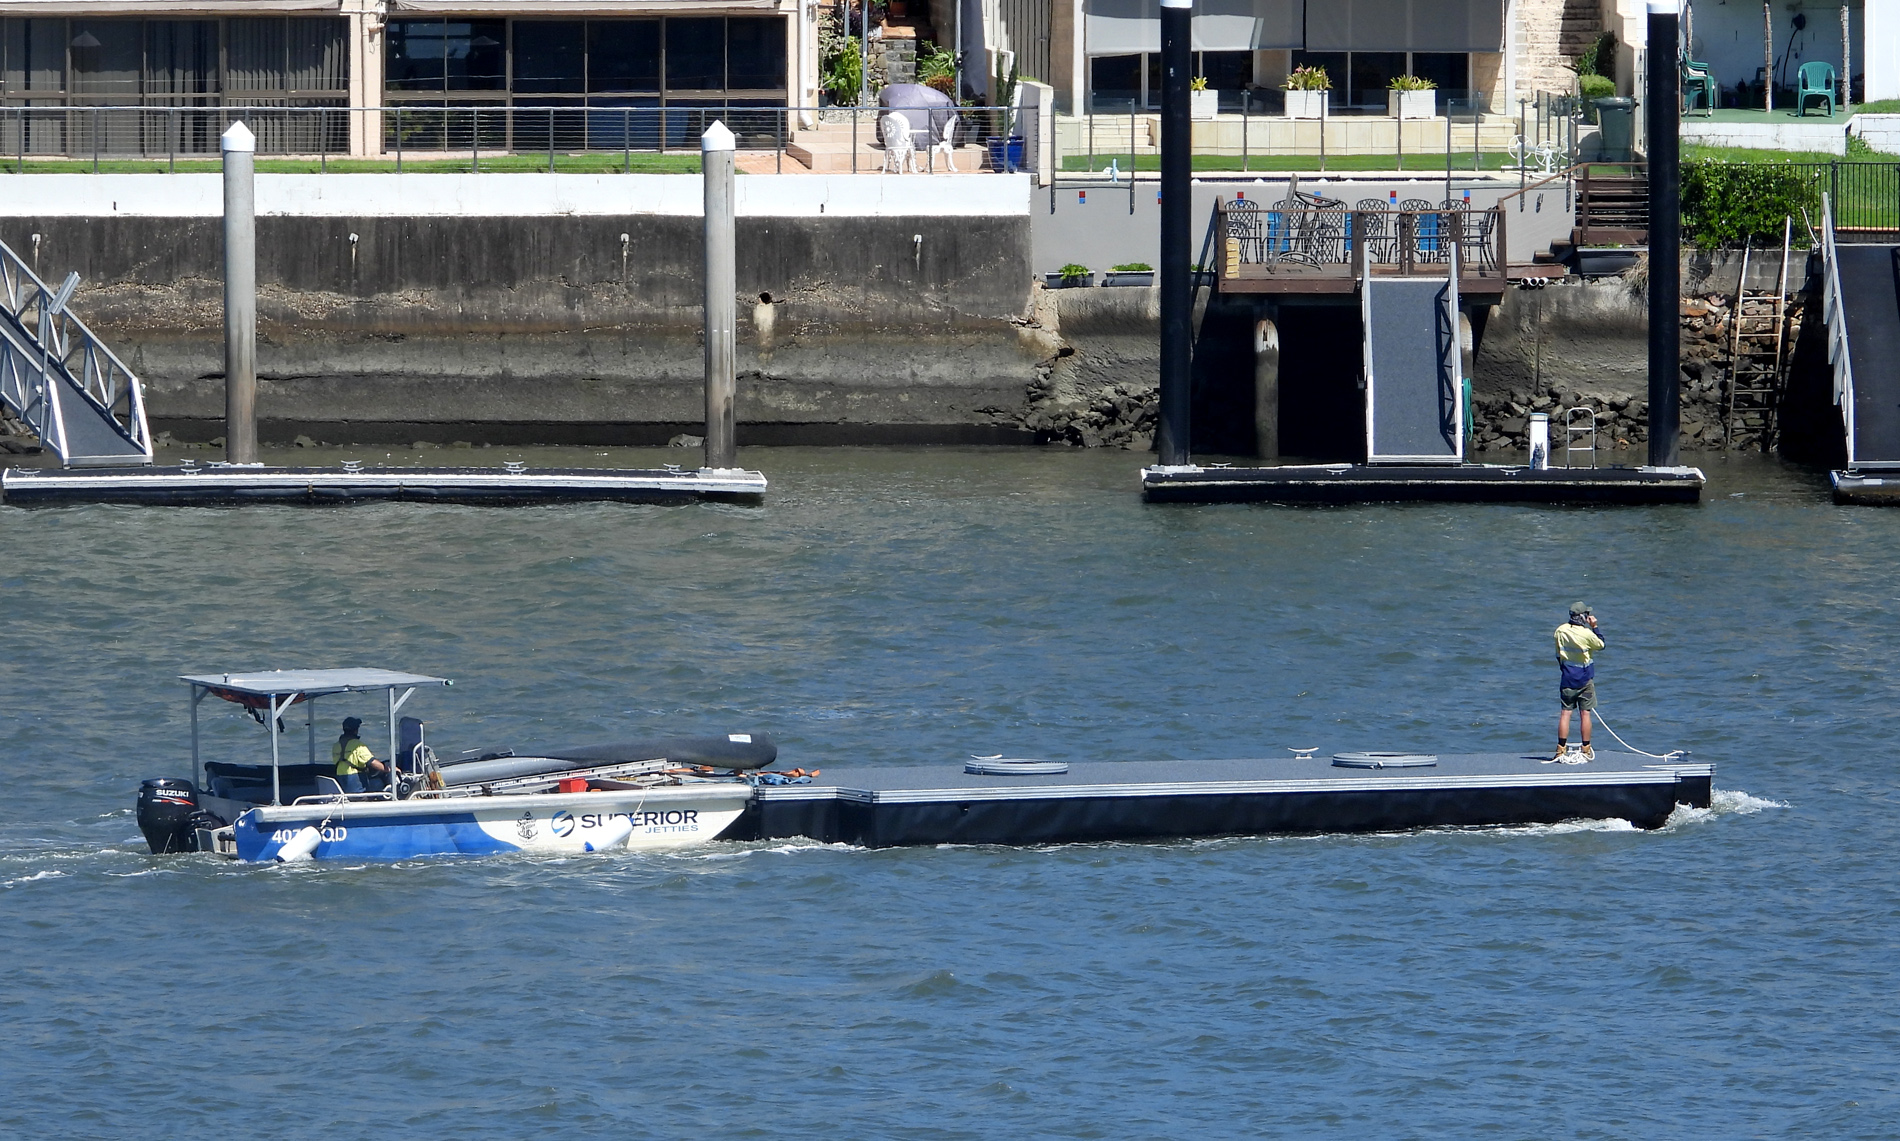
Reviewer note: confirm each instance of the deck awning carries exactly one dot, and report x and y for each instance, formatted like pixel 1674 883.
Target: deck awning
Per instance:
pixel 1405 25
pixel 312 683
pixel 1129 27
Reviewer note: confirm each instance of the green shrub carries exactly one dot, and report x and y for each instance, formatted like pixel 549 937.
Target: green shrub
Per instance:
pixel 844 73
pixel 1074 272
pixel 1599 58
pixel 1725 202
pixel 1596 86
pixel 1411 83
pixel 1135 267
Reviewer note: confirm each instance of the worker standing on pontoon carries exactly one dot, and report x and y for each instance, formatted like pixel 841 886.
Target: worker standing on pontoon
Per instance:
pixel 1577 644
pixel 353 758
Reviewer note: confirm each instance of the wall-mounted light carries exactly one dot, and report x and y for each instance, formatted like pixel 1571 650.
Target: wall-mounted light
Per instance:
pixel 85 41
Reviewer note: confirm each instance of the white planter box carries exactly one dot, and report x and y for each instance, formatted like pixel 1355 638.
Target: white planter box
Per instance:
pixel 1306 104
pixel 1411 104
pixel 1203 104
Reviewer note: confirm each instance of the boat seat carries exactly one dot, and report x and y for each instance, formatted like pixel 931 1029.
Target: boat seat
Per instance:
pixel 329 786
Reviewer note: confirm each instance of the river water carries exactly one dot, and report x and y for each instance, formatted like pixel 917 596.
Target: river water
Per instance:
pixel 1730 975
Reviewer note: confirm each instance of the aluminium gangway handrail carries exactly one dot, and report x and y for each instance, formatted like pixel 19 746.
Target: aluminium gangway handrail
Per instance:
pixel 44 336
pixel 1835 314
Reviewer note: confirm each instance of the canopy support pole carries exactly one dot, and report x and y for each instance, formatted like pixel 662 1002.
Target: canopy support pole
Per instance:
pixel 276 782
pixel 197 694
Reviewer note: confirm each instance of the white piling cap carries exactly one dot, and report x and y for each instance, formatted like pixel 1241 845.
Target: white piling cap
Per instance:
pixel 1665 7
pixel 716 138
pixel 1177 3
pixel 238 138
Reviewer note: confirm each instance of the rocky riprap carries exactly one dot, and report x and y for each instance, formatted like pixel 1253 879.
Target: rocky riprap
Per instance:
pixel 1119 415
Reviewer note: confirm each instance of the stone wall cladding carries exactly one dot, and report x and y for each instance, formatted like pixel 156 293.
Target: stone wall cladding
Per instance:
pixel 1620 399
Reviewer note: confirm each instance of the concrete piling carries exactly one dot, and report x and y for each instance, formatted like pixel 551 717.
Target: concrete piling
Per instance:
pixel 240 295
pixel 716 155
pixel 1266 391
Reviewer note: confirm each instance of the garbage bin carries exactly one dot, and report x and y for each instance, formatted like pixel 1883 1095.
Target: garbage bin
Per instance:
pixel 1616 115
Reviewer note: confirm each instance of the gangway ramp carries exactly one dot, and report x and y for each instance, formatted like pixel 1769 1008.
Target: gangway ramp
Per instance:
pixel 87 407
pixel 1414 386
pixel 1871 309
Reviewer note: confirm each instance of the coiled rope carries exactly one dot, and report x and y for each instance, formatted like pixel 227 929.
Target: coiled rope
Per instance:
pixel 1670 756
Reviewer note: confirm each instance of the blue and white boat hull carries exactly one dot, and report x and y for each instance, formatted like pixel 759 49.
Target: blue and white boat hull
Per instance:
pixel 651 819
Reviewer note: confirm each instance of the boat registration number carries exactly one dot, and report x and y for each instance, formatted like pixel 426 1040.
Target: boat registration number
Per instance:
pixel 328 833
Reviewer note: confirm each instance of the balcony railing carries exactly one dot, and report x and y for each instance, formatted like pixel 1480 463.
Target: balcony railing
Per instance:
pixel 1308 239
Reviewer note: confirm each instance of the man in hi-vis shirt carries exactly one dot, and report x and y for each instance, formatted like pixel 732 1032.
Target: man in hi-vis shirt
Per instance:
pixel 1577 644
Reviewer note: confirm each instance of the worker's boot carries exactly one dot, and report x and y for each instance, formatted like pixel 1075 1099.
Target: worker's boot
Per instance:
pixel 1589 754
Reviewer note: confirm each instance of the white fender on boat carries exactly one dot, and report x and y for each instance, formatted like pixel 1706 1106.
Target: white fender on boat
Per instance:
pixel 614 834
pixel 300 846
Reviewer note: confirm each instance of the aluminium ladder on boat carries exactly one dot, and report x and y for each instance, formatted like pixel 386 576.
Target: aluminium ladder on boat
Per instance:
pixel 1757 352
pixel 61 380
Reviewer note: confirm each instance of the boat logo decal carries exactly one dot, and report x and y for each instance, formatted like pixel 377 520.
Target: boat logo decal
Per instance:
pixel 526 825
pixel 562 823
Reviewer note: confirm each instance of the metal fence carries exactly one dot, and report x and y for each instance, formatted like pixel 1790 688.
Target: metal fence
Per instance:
pixel 1865 196
pixel 419 132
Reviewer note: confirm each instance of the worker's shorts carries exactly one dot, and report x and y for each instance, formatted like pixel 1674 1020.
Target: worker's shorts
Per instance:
pixel 1585 698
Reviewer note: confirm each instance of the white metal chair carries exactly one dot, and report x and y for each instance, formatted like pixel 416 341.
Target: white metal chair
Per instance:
pixel 946 145
pixel 895 129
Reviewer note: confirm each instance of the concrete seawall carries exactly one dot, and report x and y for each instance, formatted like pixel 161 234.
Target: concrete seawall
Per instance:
pixel 463 318
pixel 565 309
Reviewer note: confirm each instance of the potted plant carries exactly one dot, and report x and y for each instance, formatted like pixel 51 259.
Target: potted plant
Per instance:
pixel 1138 273
pixel 1410 97
pixel 1306 92
pixel 1202 103
pixel 1071 276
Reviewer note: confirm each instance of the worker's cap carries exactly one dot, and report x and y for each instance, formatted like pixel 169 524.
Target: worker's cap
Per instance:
pixel 1580 608
pixel 352 723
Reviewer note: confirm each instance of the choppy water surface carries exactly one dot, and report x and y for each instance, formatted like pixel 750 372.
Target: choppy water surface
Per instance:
pixel 1731 975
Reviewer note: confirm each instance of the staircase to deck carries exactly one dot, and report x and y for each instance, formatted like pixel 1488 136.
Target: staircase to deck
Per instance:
pixel 61 380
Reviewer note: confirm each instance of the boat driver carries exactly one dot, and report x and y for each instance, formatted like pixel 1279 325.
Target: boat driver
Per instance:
pixel 353 759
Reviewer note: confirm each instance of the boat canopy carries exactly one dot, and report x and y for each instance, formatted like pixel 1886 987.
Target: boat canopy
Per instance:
pixel 267 694
pixel 312 683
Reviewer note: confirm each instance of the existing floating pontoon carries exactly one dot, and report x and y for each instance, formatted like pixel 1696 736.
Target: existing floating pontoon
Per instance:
pixel 511 483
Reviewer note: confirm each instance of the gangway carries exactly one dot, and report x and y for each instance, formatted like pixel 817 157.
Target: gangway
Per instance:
pixel 1414 390
pixel 61 380
pixel 1861 304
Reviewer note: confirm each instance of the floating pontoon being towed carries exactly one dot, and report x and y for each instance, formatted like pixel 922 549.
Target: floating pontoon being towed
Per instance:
pixel 659 794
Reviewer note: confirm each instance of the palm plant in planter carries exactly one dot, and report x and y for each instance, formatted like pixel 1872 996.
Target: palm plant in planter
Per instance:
pixel 1410 97
pixel 1202 103
pixel 1306 90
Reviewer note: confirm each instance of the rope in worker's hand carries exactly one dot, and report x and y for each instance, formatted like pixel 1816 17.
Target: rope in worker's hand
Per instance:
pixel 1670 756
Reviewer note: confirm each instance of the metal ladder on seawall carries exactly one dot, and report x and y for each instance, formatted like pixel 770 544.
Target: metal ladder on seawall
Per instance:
pixel 63 381
pixel 1573 431
pixel 1757 361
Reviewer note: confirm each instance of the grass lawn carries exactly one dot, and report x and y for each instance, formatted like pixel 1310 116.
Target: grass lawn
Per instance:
pixel 605 163
pixel 1269 163
pixel 1744 154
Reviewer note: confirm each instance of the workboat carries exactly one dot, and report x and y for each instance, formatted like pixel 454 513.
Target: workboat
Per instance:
pixel 627 795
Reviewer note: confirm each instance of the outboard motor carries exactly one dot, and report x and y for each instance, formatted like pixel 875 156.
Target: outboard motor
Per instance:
pixel 166 808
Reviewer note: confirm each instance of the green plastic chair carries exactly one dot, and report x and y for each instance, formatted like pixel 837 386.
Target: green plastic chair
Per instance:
pixel 1698 85
pixel 1815 81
